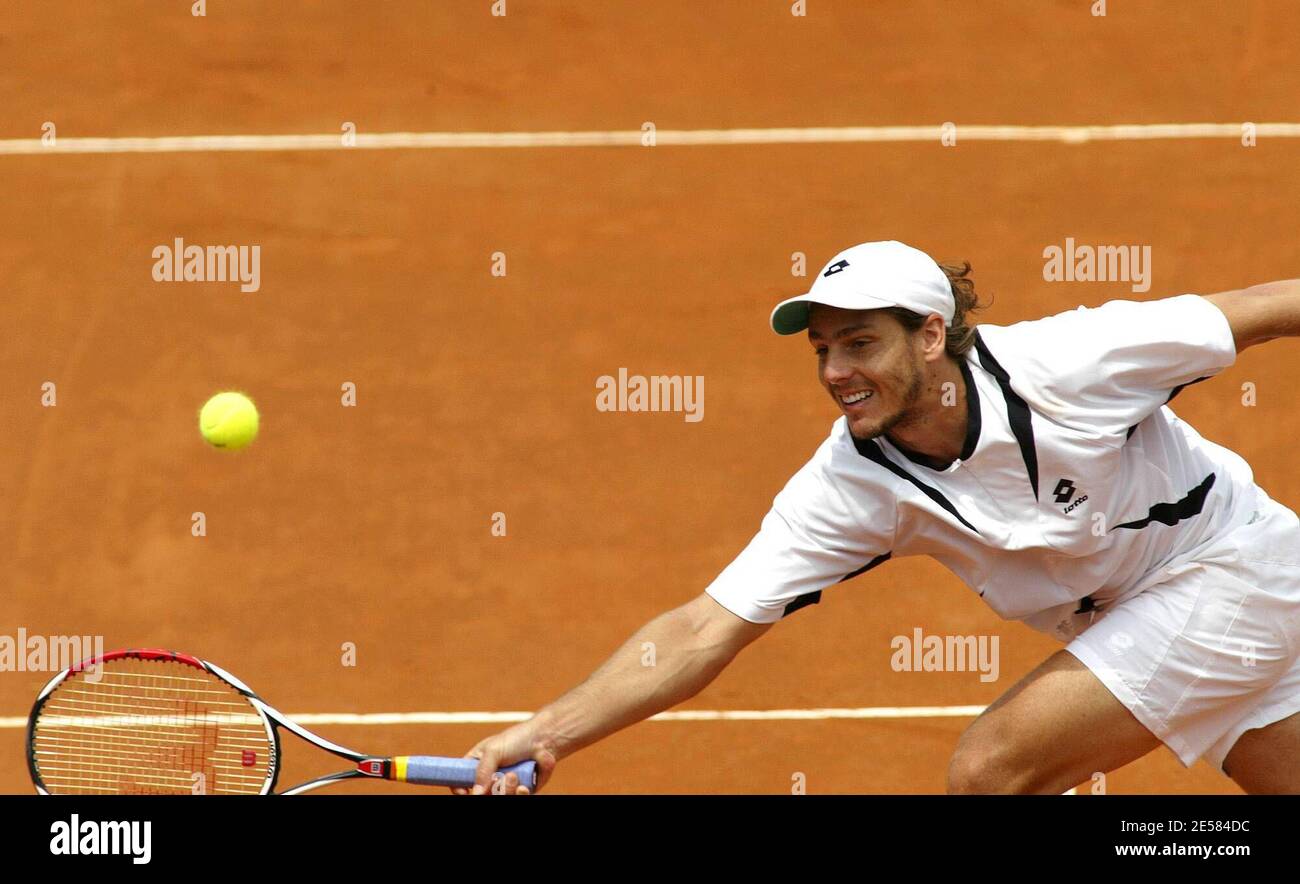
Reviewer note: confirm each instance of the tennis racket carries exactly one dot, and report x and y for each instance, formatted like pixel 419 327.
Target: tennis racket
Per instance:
pixel 149 721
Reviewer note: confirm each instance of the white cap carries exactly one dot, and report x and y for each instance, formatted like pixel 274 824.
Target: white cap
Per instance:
pixel 870 276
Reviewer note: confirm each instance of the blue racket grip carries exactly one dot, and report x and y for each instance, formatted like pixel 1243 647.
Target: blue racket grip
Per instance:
pixel 432 770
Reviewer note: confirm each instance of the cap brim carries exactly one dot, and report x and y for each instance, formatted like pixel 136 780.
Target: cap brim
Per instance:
pixel 791 316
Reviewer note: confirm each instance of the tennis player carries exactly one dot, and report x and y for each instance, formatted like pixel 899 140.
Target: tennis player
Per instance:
pixel 1040 463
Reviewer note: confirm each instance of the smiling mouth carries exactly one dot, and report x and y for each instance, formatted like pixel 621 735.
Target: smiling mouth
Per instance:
pixel 848 400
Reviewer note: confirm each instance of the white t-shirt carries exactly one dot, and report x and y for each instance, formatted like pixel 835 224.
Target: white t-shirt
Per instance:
pixel 1077 487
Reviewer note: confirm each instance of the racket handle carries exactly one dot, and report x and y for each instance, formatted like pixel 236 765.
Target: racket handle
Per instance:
pixel 432 770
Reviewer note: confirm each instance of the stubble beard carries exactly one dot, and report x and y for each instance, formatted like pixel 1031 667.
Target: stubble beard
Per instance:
pixel 901 415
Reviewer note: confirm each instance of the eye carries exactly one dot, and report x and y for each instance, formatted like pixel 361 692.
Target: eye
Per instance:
pixel 820 351
pixel 860 344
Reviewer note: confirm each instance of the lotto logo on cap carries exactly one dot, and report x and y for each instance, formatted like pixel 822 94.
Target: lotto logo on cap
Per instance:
pixel 872 276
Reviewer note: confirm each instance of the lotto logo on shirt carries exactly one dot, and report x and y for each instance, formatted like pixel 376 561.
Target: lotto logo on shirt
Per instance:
pixel 1064 491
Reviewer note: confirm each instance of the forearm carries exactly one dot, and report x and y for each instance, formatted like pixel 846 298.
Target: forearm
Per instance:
pixel 1261 312
pixel 1281 304
pixel 668 660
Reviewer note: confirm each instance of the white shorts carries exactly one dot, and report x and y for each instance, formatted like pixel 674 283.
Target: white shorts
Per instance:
pixel 1211 651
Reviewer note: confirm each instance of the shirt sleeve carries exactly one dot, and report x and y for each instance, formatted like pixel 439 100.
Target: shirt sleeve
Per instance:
pixel 811 538
pixel 1110 367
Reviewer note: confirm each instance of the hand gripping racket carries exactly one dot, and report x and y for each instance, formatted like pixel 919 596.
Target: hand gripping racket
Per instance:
pixel 157 722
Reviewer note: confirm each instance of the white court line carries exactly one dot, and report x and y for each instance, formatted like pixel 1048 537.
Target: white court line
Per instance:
pixel 401 718
pixel 633 138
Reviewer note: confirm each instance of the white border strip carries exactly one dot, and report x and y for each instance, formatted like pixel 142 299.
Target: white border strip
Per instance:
pixel 403 718
pixel 633 138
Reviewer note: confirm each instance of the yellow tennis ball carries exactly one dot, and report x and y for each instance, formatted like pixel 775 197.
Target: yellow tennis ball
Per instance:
pixel 229 421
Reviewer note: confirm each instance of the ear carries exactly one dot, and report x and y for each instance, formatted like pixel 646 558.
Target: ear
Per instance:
pixel 934 338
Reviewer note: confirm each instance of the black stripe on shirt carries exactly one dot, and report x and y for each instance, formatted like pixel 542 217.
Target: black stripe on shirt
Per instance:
pixel 878 560
pixel 1173 513
pixel 871 450
pixel 1176 390
pixel 1017 411
pixel 812 598
pixel 1022 424
pixel 803 601
pixel 1172 393
pixel 974 422
pixel 974 419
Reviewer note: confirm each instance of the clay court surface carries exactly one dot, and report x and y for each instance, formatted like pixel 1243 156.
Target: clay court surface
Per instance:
pixel 476 393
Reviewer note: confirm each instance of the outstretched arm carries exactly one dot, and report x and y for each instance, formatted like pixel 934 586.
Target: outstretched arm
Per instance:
pixel 691 645
pixel 1262 312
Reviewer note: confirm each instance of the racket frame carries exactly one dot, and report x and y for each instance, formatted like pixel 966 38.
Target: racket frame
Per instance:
pixel 272 720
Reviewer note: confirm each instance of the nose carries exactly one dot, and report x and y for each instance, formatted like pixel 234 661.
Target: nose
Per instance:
pixel 836 370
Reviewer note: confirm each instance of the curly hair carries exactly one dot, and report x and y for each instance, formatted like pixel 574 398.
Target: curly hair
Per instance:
pixel 961 334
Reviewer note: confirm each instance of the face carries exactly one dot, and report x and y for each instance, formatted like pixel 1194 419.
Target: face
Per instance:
pixel 870 364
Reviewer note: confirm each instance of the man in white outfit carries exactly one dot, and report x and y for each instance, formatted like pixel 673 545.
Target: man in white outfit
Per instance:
pixel 1040 463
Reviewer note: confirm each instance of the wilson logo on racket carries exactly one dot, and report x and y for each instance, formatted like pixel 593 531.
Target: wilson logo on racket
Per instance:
pixel 159 722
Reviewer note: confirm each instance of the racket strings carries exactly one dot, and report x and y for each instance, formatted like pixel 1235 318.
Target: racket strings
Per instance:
pixel 150 726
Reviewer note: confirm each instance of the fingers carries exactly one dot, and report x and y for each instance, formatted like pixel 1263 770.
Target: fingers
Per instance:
pixel 500 784
pixel 495 751
pixel 487 765
pixel 476 752
pixel 482 775
pixel 505 785
pixel 546 763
